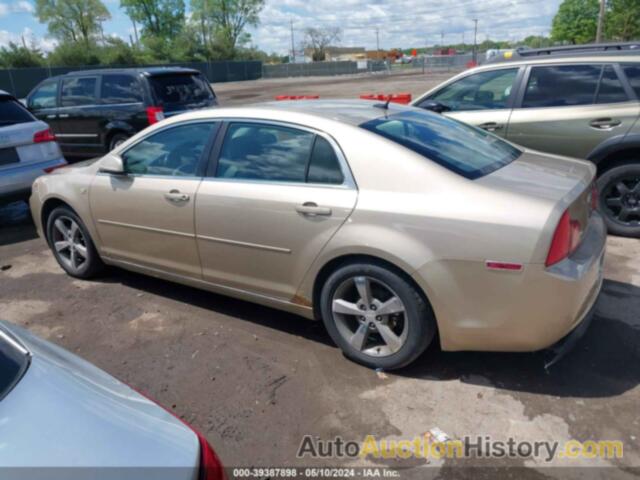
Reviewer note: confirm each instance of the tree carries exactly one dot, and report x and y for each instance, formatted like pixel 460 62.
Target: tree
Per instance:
pixel 20 56
pixel 159 18
pixel 622 21
pixel 318 39
pixel 72 20
pixel 223 22
pixel 576 21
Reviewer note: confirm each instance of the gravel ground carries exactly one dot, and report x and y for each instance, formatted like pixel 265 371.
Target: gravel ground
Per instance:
pixel 256 380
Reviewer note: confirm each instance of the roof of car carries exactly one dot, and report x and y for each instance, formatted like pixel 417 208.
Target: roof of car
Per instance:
pixel 137 70
pixel 629 51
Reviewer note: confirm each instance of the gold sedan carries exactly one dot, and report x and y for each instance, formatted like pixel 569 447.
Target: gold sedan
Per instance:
pixel 387 222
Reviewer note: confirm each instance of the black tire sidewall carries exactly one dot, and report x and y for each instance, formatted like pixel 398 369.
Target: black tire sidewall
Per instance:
pixel 602 182
pixel 419 316
pixel 115 138
pixel 93 264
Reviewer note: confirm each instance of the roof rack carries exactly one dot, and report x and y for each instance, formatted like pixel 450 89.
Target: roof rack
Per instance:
pixel 600 49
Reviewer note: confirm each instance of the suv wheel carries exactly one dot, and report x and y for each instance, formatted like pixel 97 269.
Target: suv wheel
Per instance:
pixel 117 140
pixel 619 189
pixel 71 244
pixel 375 316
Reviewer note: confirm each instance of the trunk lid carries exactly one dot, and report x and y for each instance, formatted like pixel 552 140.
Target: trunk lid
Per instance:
pixel 18 149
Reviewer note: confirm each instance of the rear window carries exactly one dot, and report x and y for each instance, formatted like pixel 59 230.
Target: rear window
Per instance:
pixel 465 150
pixel 182 89
pixel 14 361
pixel 12 112
pixel 632 71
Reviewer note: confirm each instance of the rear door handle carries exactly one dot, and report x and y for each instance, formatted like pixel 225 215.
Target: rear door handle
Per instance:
pixel 312 209
pixel 63 115
pixel 50 116
pixel 490 126
pixel 604 123
pixel 176 197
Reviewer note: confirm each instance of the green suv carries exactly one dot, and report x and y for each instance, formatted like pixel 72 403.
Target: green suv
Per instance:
pixel 580 101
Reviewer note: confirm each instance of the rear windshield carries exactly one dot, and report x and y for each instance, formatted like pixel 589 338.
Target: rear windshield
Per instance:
pixel 14 361
pixel 181 89
pixel 465 150
pixel 11 112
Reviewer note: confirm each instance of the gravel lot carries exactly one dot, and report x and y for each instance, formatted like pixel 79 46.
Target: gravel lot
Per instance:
pixel 256 380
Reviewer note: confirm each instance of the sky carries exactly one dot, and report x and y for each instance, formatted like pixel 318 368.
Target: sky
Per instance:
pixel 405 24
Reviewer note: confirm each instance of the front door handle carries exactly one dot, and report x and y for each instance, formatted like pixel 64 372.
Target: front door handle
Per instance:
pixel 604 123
pixel 176 197
pixel 63 115
pixel 312 209
pixel 50 116
pixel 490 126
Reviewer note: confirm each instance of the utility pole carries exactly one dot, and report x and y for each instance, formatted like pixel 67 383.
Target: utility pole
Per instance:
pixel 293 48
pixel 475 40
pixel 600 21
pixel 441 38
pixel 377 43
pixel 135 32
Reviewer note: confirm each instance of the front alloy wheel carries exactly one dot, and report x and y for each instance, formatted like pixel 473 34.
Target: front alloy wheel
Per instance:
pixel 69 243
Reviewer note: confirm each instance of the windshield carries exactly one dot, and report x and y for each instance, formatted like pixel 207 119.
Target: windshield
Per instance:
pixel 181 89
pixel 14 361
pixel 465 150
pixel 11 112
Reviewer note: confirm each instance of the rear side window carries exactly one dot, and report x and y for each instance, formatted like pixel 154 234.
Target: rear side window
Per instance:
pixel 14 361
pixel 45 96
pixel 120 89
pixel 181 88
pixel 78 91
pixel 632 71
pixel 324 166
pixel 562 86
pixel 610 89
pixel 465 150
pixel 12 112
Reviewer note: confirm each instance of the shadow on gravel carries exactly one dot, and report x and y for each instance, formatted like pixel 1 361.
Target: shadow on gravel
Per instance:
pixel 16 224
pixel 605 362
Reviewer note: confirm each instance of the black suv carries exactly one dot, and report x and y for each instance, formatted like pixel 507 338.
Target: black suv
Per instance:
pixel 93 111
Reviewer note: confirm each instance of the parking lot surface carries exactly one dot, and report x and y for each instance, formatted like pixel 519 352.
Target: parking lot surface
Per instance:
pixel 255 381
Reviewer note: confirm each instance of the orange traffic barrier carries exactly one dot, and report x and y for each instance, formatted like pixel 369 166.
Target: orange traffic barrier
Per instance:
pixel 403 98
pixel 297 97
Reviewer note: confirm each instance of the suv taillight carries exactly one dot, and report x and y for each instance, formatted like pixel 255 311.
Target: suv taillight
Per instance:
pixel 565 240
pixel 44 136
pixel 154 114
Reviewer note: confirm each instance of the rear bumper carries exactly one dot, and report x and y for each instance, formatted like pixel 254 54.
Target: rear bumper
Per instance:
pixel 16 182
pixel 479 309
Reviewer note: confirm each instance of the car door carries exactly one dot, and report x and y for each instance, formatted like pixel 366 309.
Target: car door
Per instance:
pixel 43 103
pixel 79 117
pixel 145 217
pixel 482 99
pixel 269 204
pixel 571 109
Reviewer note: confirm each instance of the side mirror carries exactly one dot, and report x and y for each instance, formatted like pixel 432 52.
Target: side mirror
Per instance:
pixel 112 164
pixel 434 106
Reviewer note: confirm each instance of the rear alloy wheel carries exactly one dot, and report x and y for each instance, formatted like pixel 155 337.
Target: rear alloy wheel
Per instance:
pixel 619 190
pixel 376 316
pixel 71 244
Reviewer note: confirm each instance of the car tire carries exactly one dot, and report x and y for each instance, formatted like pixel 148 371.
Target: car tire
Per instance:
pixel 117 140
pixel 72 245
pixel 619 192
pixel 343 291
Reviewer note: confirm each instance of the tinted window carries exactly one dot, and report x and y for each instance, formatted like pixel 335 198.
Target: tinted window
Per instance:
pixel 121 89
pixel 481 91
pixel 632 71
pixel 466 150
pixel 14 361
pixel 264 152
pixel 561 86
pixel 173 152
pixel 180 89
pixel 324 166
pixel 12 112
pixel 44 96
pixel 611 89
pixel 78 91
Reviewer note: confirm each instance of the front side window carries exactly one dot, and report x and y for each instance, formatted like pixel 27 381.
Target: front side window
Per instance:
pixel 463 149
pixel 481 91
pixel 562 86
pixel 175 152
pixel 78 91
pixel 632 71
pixel 253 151
pixel 118 88
pixel 45 96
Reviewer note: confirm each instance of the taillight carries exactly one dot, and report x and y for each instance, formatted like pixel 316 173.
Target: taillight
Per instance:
pixel 595 196
pixel 154 114
pixel 565 240
pixel 44 136
pixel 211 467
